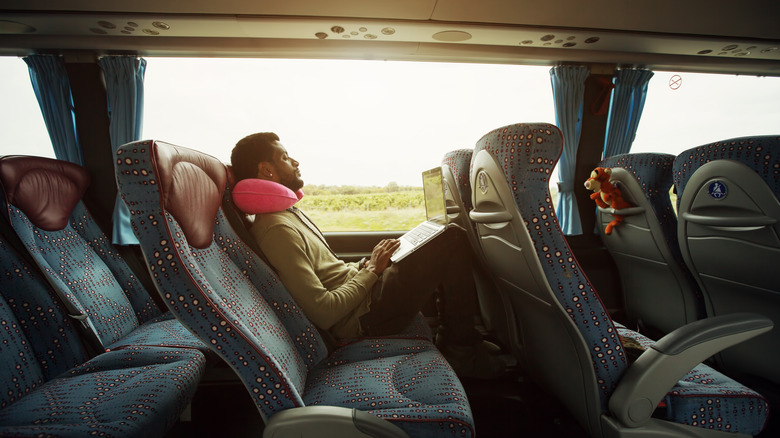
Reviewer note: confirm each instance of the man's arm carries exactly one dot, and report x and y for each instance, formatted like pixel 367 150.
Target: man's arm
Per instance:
pixel 285 249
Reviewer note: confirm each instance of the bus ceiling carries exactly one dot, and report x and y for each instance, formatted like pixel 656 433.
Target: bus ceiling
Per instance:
pixel 697 35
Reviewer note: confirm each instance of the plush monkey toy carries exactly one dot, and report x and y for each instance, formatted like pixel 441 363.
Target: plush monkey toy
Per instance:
pixel 606 194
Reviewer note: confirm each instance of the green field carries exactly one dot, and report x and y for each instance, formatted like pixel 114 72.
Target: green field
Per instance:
pixel 366 208
pixel 365 211
pixel 360 220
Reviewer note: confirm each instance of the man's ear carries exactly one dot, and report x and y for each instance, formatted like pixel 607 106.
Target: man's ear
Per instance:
pixel 265 170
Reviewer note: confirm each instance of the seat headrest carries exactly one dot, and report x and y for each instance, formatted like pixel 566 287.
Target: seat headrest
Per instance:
pixel 44 189
pixel 191 185
pixel 258 196
pixel 761 153
pixel 459 162
pixel 530 150
pixel 652 171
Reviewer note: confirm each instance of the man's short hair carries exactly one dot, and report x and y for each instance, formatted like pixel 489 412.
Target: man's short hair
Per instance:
pixel 251 151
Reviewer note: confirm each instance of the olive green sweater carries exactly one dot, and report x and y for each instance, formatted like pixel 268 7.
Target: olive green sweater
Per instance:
pixel 333 294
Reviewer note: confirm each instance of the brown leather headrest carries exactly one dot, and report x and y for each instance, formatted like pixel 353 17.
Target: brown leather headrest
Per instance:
pixel 191 184
pixel 46 190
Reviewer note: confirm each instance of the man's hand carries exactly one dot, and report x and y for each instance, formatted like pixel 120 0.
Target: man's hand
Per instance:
pixel 380 256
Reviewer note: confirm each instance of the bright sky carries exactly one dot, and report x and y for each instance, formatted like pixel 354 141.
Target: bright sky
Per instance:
pixel 373 122
pixel 706 108
pixel 346 122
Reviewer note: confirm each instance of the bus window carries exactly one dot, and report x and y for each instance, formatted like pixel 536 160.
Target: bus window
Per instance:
pixel 363 131
pixel 23 130
pixel 685 110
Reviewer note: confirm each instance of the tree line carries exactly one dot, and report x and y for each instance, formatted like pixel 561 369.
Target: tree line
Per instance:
pixel 324 189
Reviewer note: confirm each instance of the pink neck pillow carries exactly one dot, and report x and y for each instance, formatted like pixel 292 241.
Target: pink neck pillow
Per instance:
pixel 258 196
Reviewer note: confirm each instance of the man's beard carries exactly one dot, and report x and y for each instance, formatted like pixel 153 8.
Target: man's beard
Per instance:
pixel 293 184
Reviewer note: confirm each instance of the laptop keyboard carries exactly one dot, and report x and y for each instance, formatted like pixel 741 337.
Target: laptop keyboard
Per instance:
pixel 420 232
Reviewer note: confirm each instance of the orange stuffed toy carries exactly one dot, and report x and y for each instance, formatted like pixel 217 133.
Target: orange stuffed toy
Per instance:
pixel 606 194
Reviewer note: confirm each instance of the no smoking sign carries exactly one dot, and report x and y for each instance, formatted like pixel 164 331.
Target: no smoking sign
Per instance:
pixel 675 82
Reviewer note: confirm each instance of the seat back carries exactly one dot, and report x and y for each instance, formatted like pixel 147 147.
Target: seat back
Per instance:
pixel 209 278
pixel 570 343
pixel 42 203
pixel 729 228
pixel 20 371
pixel 39 340
pixel 239 221
pixel 496 311
pixel 41 318
pixel 659 292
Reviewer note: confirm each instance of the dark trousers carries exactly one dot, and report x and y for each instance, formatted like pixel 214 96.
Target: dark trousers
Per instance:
pixel 445 265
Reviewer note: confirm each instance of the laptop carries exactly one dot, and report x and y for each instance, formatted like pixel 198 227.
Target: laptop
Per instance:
pixel 435 211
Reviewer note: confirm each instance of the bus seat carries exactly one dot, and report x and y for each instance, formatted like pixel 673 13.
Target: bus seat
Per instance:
pixel 43 207
pixel 241 222
pixel 729 223
pixel 49 383
pixel 659 293
pixel 236 304
pixel 571 345
pixel 496 312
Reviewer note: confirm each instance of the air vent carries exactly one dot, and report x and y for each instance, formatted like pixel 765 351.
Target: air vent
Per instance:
pixel 552 40
pixel 738 51
pixel 105 27
pixel 362 32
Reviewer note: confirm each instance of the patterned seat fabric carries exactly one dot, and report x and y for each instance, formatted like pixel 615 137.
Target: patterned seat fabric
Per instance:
pixel 418 329
pixel 426 398
pixel 42 202
pixel 496 310
pixel 728 196
pixel 225 294
pixel 459 161
pixel 48 387
pixel 707 398
pixel 41 316
pixel 653 174
pixel 527 154
pixel 760 153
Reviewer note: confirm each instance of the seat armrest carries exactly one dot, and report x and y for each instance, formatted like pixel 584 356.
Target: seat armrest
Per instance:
pixel 319 421
pixel 660 367
pixel 490 217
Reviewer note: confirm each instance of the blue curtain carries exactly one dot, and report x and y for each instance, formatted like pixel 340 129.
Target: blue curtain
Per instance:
pixel 124 76
pixel 568 85
pixel 52 89
pixel 628 101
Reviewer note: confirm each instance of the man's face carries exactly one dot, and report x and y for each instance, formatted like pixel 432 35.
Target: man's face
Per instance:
pixel 285 169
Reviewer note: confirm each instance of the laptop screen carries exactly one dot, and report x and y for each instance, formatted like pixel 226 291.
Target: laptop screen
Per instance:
pixel 435 207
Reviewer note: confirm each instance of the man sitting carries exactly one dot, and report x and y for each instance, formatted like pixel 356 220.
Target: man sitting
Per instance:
pixel 375 297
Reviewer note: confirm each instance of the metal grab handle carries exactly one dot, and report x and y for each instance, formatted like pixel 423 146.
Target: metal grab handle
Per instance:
pixel 492 217
pixel 730 221
pixel 630 211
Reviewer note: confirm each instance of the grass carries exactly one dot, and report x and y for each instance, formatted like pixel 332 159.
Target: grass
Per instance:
pixel 361 220
pixel 370 211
